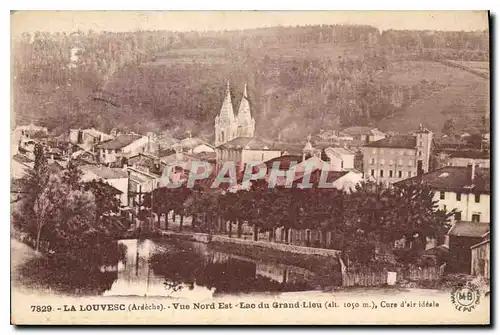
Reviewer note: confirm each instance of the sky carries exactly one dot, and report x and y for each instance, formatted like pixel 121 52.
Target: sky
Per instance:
pixel 69 21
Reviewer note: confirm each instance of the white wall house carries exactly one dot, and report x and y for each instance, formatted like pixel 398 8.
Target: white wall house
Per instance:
pixel 121 146
pixel 340 158
pixel 116 177
pixel 466 189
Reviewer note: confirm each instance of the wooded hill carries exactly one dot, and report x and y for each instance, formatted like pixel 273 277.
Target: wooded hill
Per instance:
pixel 300 79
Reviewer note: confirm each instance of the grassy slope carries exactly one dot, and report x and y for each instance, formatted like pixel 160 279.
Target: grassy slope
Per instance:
pixel 466 98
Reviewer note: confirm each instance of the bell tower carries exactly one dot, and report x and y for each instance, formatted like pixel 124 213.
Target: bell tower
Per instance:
pixel 226 124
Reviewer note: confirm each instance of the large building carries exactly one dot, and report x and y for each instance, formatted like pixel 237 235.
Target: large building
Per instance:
pixel 228 126
pixel 399 157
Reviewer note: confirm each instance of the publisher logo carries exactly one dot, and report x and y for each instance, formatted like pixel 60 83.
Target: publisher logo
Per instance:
pixel 465 298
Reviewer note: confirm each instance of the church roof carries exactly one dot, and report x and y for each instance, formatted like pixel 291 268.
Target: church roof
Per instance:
pixel 226 112
pixel 248 143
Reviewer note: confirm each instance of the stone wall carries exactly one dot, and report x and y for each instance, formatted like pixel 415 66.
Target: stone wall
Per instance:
pixel 280 246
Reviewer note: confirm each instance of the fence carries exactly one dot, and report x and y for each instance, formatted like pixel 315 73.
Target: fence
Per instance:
pixel 373 278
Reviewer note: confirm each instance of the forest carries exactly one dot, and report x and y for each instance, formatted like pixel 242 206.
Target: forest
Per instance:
pixel 300 79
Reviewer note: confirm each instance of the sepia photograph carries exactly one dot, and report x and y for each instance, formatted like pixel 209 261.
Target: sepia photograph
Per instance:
pixel 250 168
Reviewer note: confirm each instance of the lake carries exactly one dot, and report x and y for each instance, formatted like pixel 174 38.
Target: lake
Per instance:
pixel 177 269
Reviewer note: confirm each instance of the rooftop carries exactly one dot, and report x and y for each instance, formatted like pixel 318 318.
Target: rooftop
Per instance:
pixel 119 141
pixel 104 172
pixel 455 178
pixel 397 141
pixel 248 143
pixel 361 130
pixel 469 229
pixel 285 161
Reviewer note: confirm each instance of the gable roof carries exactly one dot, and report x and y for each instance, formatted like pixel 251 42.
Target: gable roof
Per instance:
pixel 119 141
pixel 191 143
pixel 361 130
pixel 105 172
pixel 285 161
pixel 248 143
pixel 455 179
pixel 469 229
pixel 397 141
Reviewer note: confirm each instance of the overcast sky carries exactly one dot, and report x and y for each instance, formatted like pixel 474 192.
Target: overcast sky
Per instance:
pixel 69 21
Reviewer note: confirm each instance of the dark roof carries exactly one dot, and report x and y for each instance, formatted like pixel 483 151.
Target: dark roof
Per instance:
pixel 469 229
pixel 331 176
pixel 105 172
pixel 472 154
pixel 290 148
pixel 360 130
pixel 397 141
pixel 455 178
pixel 249 143
pixel 119 141
pixel 111 188
pixel 22 158
pixel 285 161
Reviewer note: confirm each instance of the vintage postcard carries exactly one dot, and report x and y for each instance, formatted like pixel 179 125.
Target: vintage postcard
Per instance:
pixel 249 168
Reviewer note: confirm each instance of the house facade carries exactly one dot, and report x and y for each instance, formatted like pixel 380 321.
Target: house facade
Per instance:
pixel 243 150
pixel 399 157
pixel 121 146
pixel 116 177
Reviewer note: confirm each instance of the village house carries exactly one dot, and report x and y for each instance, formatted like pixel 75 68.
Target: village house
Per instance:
pixel 116 177
pixel 463 157
pixel 463 236
pixel 120 147
pixel 87 138
pixel 193 145
pixel 364 134
pixel 243 150
pixel 398 157
pixel 340 159
pixel 141 182
pixel 481 257
pixel 465 189
pixel 31 130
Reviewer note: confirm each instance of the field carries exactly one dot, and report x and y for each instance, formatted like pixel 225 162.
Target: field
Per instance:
pixel 465 97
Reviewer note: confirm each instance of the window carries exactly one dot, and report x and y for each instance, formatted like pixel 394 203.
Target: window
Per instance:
pixel 374 151
pixel 459 196
pixel 341 162
pixel 420 153
pixel 476 217
pixel 110 151
pixel 409 153
pixel 444 208
pixel 382 161
pixel 391 162
pixel 372 172
pixel 373 161
pixel 409 174
pixel 441 195
pixel 390 173
pixel 410 163
pixel 400 174
pixel 381 150
pixel 477 198
pixel 400 162
pixel 381 173
pixel 458 216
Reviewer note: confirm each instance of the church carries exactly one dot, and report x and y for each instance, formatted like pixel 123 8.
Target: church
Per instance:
pixel 235 135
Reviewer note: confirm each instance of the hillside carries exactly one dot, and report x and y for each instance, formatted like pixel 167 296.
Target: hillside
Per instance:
pixel 300 79
pixel 464 98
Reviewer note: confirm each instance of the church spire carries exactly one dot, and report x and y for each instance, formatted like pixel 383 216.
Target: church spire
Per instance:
pixel 246 123
pixel 226 112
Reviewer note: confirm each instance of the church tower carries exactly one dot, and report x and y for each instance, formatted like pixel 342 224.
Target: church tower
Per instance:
pixel 226 125
pixel 246 123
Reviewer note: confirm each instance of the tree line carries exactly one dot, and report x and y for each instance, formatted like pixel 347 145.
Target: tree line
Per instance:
pixel 361 220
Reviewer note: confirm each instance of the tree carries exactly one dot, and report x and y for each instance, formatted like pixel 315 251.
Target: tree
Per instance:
pixel 450 128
